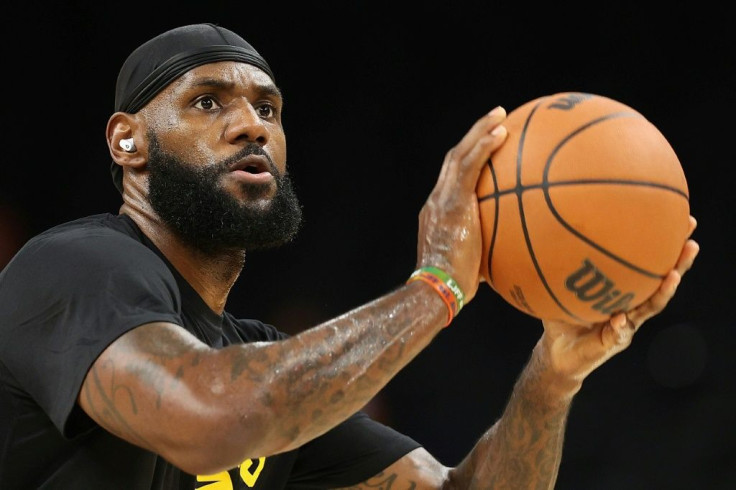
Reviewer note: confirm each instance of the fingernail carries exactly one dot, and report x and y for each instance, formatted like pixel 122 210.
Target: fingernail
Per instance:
pixel 497 111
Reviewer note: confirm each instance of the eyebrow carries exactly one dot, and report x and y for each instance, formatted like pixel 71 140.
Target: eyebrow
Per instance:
pixel 216 83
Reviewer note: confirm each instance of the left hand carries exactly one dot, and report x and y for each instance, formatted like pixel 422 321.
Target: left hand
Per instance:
pixel 574 351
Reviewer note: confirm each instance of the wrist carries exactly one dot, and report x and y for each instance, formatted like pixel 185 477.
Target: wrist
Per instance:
pixel 429 301
pixel 559 383
pixel 446 288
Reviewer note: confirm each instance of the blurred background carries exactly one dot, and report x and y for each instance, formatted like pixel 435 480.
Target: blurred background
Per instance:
pixel 376 93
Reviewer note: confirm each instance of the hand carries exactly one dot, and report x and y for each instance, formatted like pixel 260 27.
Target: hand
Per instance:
pixel 574 351
pixel 449 222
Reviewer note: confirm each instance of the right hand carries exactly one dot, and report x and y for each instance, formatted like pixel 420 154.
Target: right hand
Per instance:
pixel 449 222
pixel 574 351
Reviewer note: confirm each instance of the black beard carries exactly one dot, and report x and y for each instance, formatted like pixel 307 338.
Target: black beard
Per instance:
pixel 192 202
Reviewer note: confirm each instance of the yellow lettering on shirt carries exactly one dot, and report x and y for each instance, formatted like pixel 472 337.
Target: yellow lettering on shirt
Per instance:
pixel 250 478
pixel 222 481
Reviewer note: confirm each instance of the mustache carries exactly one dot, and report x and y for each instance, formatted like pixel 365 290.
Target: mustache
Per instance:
pixel 251 149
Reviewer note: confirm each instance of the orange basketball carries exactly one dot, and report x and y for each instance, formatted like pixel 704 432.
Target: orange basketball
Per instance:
pixel 584 209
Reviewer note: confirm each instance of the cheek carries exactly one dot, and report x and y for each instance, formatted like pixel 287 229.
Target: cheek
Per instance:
pixel 197 150
pixel 190 147
pixel 277 149
pixel 187 143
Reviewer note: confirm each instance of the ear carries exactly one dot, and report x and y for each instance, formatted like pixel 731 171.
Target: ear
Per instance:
pixel 122 126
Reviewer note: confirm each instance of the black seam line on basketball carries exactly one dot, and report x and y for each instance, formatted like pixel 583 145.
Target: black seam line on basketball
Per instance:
pixel 548 199
pixel 495 222
pixel 588 125
pixel 623 182
pixel 519 191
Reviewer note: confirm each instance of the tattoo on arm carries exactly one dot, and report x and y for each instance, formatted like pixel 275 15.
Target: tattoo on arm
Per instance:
pixel 101 401
pixel 151 357
pixel 523 449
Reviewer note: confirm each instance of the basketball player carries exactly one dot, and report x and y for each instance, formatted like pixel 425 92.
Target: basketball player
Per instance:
pixel 121 369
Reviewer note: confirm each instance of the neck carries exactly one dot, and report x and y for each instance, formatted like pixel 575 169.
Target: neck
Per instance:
pixel 211 276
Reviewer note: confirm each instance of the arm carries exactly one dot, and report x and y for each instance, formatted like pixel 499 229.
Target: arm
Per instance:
pixel 523 448
pixel 160 388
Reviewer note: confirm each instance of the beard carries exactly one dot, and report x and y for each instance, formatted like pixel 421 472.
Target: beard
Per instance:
pixel 191 200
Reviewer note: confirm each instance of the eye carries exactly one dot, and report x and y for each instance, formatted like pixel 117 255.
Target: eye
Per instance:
pixel 207 103
pixel 266 111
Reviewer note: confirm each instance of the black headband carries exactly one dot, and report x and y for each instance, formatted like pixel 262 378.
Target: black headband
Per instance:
pixel 161 60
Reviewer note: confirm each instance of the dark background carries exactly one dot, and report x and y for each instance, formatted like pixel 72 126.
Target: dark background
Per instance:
pixel 376 93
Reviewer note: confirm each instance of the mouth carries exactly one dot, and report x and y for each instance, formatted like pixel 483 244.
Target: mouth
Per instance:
pixel 252 164
pixel 253 169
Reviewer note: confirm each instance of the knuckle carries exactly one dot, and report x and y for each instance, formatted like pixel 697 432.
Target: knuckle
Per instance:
pixel 451 154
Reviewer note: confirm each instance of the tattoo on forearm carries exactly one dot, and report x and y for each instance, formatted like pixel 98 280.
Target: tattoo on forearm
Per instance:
pixel 326 373
pixel 523 450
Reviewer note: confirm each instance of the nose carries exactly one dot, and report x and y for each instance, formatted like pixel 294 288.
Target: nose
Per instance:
pixel 246 125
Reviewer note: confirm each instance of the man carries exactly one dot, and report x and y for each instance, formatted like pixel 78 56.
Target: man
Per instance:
pixel 120 367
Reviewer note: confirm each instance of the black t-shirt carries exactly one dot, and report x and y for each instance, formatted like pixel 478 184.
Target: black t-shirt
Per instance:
pixel 69 293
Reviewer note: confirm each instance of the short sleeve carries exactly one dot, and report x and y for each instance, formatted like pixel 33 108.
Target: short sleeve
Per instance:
pixel 350 453
pixel 64 298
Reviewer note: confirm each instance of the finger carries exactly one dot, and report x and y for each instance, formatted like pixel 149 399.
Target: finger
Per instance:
pixel 479 155
pixel 689 251
pixel 657 301
pixel 601 341
pixel 443 171
pixel 466 159
pixel 618 332
pixel 456 154
pixel 482 127
pixel 692 225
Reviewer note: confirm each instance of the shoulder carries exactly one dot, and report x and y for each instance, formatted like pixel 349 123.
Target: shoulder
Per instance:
pixel 88 232
pixel 103 238
pixel 92 249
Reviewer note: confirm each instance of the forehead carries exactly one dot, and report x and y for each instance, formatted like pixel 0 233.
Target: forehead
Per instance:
pixel 233 74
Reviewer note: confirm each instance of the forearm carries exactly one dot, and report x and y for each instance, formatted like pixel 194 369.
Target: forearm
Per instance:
pixel 523 449
pixel 311 382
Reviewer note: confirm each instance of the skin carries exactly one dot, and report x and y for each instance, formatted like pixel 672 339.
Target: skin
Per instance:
pixel 159 387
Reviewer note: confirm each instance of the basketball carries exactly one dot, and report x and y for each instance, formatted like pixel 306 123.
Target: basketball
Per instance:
pixel 584 209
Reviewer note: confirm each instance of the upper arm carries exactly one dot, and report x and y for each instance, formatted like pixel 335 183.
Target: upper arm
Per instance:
pixel 146 389
pixel 417 470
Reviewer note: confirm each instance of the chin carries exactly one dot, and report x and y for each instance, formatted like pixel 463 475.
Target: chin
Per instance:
pixel 258 203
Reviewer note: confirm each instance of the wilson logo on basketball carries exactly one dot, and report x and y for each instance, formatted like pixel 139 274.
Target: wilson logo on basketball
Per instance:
pixel 589 284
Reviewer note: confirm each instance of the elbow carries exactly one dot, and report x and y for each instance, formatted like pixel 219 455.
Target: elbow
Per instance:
pixel 214 447
pixel 222 440
pixel 217 425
